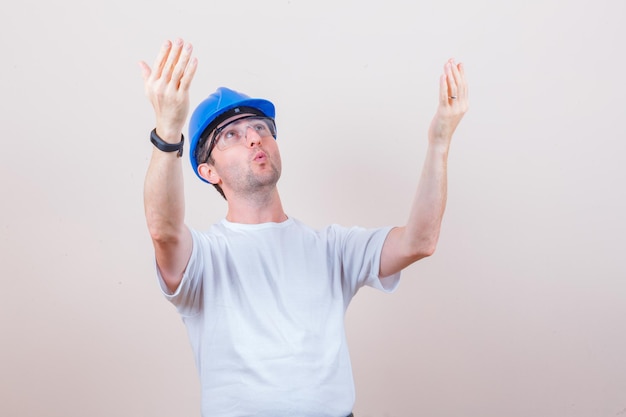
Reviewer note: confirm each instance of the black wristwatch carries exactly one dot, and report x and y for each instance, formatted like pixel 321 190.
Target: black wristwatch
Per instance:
pixel 167 147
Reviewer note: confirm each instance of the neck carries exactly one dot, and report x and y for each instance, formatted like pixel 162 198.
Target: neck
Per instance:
pixel 256 208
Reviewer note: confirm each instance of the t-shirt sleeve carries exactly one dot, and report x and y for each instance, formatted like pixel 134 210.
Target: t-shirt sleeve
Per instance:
pixel 188 296
pixel 361 250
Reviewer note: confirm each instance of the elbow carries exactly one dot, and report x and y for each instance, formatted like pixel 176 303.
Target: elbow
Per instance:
pixel 429 250
pixel 422 248
pixel 163 237
pixel 159 236
pixel 163 233
pixel 425 252
pixel 420 240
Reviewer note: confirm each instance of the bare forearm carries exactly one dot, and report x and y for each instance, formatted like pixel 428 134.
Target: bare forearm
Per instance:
pixel 164 197
pixel 429 204
pixel 165 215
pixel 418 238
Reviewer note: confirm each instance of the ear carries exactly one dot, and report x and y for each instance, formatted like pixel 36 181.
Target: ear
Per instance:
pixel 209 173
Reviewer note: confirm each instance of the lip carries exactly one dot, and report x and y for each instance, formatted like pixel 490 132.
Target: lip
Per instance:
pixel 260 156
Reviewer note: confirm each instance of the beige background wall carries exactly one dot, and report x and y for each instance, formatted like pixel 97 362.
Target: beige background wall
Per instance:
pixel 522 311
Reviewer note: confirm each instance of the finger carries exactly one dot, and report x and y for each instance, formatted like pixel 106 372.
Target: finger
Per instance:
pixel 185 81
pixel 145 70
pixel 458 79
pixel 443 90
pixel 452 87
pixel 172 59
pixel 159 62
pixel 463 91
pixel 181 65
pixel 454 70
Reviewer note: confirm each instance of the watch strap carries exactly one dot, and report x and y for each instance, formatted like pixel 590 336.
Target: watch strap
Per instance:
pixel 167 147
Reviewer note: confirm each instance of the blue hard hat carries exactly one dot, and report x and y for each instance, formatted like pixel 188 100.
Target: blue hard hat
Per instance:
pixel 219 106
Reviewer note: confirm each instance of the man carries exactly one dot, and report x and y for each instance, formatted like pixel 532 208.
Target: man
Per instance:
pixel 262 295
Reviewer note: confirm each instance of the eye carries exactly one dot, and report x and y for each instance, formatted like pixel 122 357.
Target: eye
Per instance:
pixel 261 128
pixel 230 134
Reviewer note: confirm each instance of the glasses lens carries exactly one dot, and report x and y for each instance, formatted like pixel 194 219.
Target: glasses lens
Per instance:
pixel 237 130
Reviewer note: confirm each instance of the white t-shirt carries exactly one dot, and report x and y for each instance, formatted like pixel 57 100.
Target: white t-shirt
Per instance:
pixel 264 307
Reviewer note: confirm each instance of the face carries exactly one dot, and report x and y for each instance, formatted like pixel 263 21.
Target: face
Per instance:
pixel 247 166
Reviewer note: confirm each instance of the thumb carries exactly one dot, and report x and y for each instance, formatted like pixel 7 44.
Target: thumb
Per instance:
pixel 145 70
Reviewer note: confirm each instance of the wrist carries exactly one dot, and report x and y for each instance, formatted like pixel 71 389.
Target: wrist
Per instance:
pixel 439 146
pixel 168 134
pixel 167 146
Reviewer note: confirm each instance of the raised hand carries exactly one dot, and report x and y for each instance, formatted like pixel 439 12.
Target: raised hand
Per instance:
pixel 167 87
pixel 453 103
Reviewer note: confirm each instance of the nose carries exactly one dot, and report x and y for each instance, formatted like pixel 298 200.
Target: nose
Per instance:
pixel 252 137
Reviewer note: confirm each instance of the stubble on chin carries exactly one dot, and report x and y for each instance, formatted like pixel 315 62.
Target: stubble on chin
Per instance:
pixel 264 179
pixel 249 181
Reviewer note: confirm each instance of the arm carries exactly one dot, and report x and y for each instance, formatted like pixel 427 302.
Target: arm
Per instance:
pixel 167 88
pixel 418 238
